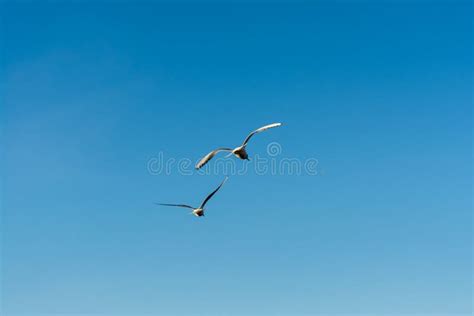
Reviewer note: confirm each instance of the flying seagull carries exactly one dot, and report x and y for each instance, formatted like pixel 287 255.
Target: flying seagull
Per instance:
pixel 239 152
pixel 198 211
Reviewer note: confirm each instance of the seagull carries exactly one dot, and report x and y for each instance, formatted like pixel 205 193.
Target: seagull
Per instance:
pixel 198 211
pixel 239 152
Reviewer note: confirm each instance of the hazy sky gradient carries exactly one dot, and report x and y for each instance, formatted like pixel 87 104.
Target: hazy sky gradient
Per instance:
pixel 380 94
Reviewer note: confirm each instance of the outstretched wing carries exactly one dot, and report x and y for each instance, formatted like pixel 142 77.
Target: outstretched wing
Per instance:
pixel 214 192
pixel 178 205
pixel 209 156
pixel 261 129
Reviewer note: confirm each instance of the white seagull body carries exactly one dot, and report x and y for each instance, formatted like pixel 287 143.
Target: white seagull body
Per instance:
pixel 198 211
pixel 239 152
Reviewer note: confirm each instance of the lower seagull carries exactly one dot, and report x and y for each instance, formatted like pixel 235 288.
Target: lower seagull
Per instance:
pixel 198 211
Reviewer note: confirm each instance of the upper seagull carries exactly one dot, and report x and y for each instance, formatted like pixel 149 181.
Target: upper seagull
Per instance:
pixel 198 211
pixel 240 151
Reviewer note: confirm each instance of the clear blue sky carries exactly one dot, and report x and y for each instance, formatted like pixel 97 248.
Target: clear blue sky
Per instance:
pixel 380 94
